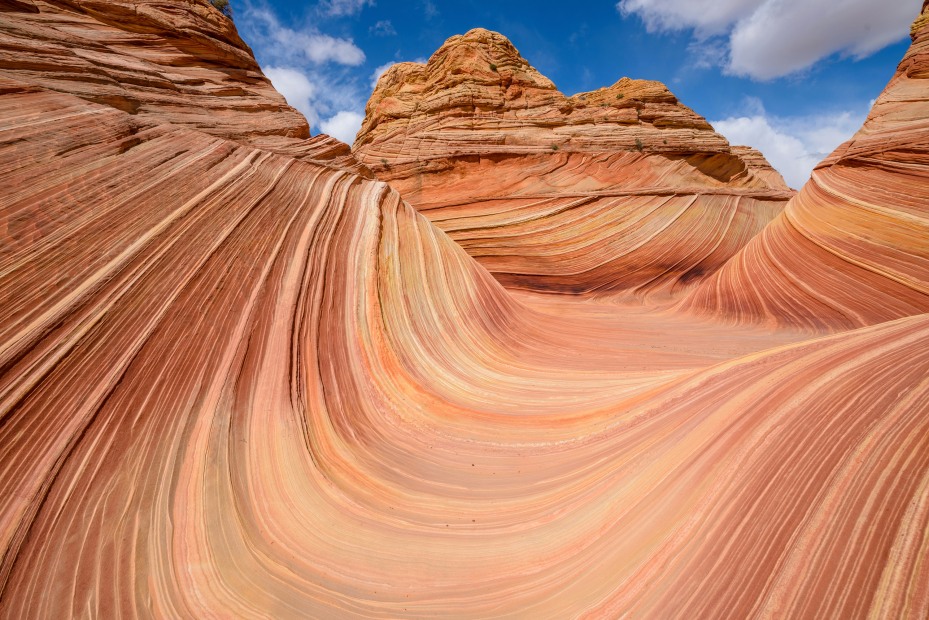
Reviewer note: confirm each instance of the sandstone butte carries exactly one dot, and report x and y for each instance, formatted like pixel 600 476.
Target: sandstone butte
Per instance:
pixel 619 189
pixel 241 377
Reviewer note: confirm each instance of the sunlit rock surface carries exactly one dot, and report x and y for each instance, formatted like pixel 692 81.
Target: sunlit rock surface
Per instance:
pixel 241 381
pixel 619 189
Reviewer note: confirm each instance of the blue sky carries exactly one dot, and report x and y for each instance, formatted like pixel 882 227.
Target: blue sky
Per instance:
pixel 794 78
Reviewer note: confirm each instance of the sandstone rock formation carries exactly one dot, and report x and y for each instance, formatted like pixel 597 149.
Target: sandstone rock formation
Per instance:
pixel 179 61
pixel 853 248
pixel 175 61
pixel 241 381
pixel 620 189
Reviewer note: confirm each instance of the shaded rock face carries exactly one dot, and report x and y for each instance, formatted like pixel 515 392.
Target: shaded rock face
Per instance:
pixel 174 61
pixel 179 61
pixel 852 248
pixel 240 381
pixel 543 189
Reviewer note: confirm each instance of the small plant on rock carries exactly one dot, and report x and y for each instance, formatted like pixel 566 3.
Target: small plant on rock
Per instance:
pixel 638 145
pixel 554 147
pixel 493 67
pixel 223 6
pixel 620 96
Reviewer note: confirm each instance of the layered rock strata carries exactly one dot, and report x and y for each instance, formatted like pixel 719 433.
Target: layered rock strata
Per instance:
pixel 239 383
pixel 177 61
pixel 620 189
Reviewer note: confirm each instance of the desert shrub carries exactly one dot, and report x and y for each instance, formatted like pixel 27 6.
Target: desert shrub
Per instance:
pixel 493 67
pixel 554 147
pixel 224 7
pixel 620 96
pixel 639 146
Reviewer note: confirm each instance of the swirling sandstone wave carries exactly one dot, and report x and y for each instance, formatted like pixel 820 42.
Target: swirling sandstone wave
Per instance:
pixel 244 383
pixel 619 189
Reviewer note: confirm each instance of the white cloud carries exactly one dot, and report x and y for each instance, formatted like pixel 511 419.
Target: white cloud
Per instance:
pixel 321 48
pixel 318 96
pixel 706 16
pixel 709 53
pixel 783 151
pixel 297 89
pixel 339 8
pixel 777 40
pixel 313 70
pixel 793 145
pixel 264 30
pixel 767 39
pixel 343 126
pixel 383 28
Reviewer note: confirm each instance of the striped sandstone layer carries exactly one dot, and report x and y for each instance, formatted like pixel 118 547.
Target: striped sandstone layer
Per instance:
pixel 619 189
pixel 237 383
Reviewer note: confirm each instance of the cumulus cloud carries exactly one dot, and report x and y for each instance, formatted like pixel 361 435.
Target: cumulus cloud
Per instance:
pixel 264 30
pixel 793 145
pixel 706 16
pixel 343 126
pixel 383 28
pixel 774 41
pixel 305 95
pixel 340 8
pixel 766 39
pixel 321 48
pixel 297 89
pixel 310 68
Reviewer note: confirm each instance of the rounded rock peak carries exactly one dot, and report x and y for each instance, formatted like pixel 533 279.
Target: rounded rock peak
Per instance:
pixel 627 90
pixel 492 45
pixel 486 57
pixel 483 35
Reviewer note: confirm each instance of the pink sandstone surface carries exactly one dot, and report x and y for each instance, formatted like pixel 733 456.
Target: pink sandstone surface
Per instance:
pixel 240 377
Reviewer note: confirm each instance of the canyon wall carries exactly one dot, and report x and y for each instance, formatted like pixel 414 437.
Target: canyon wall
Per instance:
pixel 242 378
